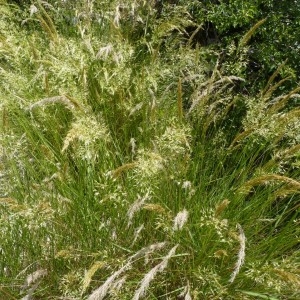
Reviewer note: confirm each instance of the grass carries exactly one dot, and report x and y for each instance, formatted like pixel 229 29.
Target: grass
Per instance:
pixel 130 167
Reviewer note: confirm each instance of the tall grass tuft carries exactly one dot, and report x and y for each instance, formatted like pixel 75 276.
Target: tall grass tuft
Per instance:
pixel 132 167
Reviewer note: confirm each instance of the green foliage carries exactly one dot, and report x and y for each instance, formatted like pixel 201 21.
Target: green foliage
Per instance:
pixel 224 23
pixel 132 162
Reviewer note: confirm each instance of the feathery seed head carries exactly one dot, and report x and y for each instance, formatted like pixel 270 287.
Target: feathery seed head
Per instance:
pixel 180 219
pixel 85 135
pixel 241 254
pixel 144 284
pixel 136 206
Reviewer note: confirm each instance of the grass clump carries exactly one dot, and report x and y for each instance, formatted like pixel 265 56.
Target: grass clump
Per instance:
pixel 131 169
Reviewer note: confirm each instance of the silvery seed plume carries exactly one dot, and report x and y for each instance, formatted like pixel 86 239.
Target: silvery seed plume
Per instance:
pixel 33 278
pixel 32 281
pixel 117 285
pixel 180 219
pixel 147 250
pixel 185 294
pixel 141 291
pixel 105 288
pixel 241 254
pixel 137 232
pixel 136 206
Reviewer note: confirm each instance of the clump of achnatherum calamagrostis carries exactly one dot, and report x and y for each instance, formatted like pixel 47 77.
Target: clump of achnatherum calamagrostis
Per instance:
pixel 126 169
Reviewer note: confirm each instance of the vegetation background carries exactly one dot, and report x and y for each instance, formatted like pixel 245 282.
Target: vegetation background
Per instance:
pixel 149 149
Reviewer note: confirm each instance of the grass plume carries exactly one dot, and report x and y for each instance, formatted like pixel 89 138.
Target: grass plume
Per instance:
pixel 144 284
pixel 241 254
